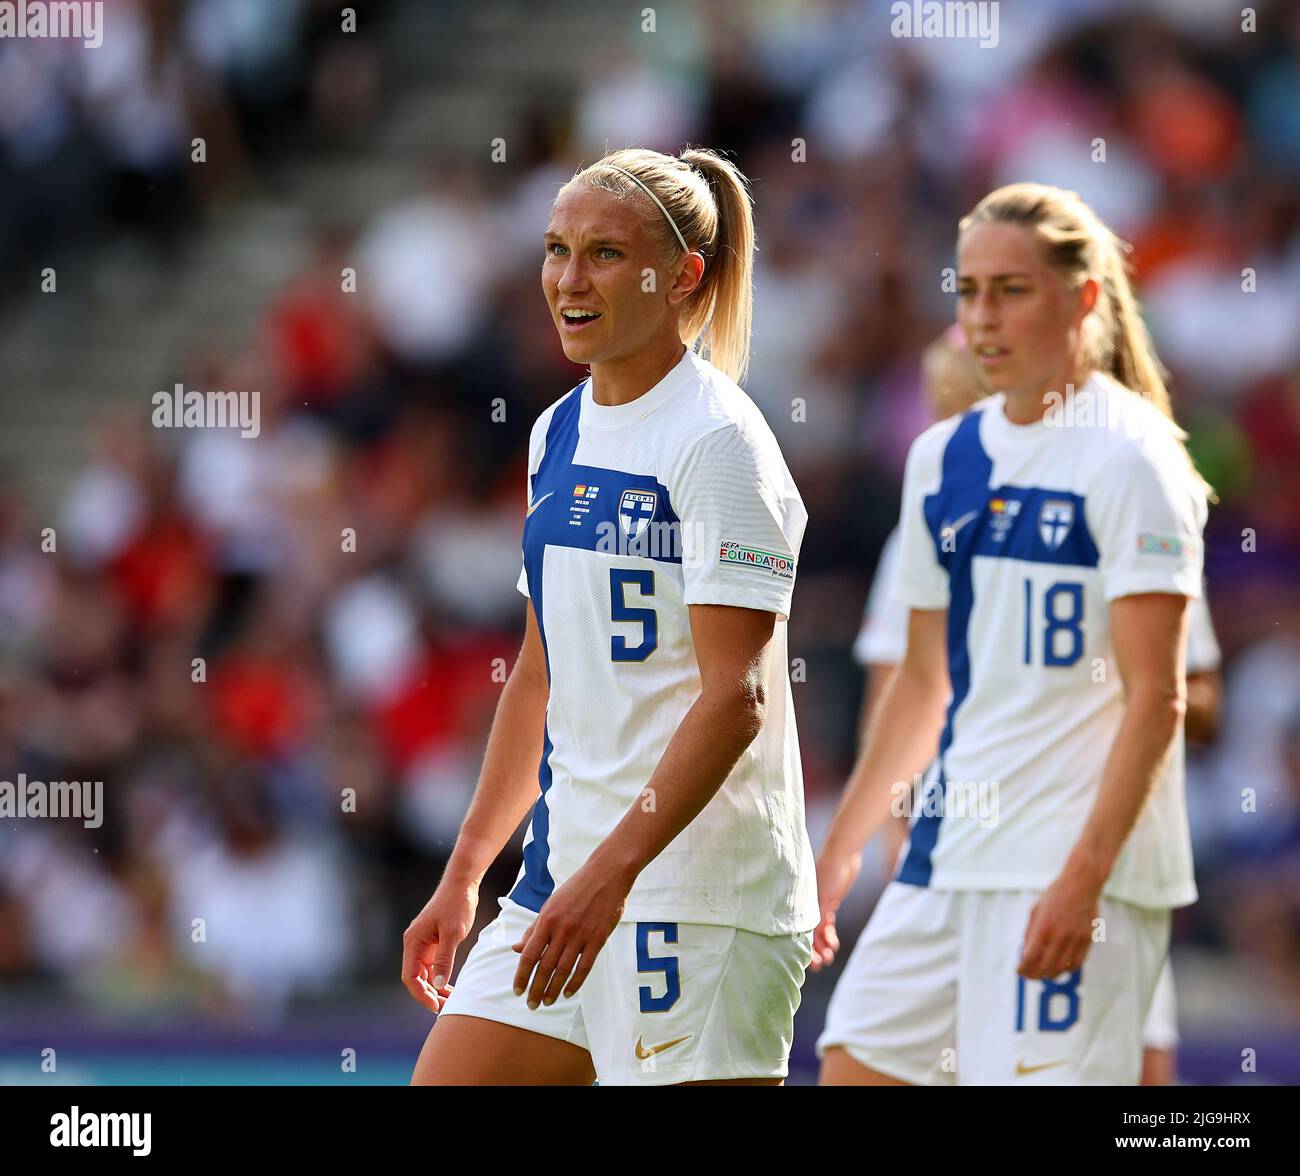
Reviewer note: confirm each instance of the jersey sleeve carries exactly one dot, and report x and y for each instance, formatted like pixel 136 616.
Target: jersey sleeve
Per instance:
pixel 919 580
pixel 1146 512
pixel 1203 652
pixel 882 640
pixel 742 521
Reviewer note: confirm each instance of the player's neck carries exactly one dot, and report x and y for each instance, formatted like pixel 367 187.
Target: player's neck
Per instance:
pixel 622 380
pixel 1028 406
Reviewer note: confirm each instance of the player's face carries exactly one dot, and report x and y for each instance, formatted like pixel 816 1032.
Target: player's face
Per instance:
pixel 596 257
pixel 1021 319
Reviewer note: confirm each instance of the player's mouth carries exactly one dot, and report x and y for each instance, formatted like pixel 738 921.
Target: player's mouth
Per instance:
pixel 989 354
pixel 574 319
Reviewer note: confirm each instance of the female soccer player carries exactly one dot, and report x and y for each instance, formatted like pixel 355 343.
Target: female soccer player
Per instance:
pixel 1050 539
pixel 661 924
pixel 951 383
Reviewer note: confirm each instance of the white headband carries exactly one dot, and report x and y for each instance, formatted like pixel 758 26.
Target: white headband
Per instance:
pixel 669 219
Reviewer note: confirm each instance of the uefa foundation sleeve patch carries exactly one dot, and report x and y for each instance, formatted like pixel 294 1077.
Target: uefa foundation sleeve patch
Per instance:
pixel 1149 543
pixel 736 554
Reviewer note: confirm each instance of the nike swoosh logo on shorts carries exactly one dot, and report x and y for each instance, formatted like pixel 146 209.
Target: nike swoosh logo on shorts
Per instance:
pixel 1021 1068
pixel 642 1052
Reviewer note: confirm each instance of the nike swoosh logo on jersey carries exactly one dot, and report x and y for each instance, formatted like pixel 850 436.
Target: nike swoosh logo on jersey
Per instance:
pixel 953 528
pixel 642 1052
pixel 532 506
pixel 1021 1068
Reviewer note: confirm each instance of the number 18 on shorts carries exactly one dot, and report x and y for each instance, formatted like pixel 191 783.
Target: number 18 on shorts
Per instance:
pixel 931 994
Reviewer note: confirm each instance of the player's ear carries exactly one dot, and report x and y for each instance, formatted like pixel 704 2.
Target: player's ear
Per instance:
pixel 690 273
pixel 1089 292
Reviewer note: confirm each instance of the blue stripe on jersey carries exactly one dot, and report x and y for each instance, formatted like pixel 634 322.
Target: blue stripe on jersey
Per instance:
pixel 1010 522
pixel 611 505
pixel 535 887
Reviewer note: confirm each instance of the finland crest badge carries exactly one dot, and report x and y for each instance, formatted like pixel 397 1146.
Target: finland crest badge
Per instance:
pixel 635 510
pixel 1055 518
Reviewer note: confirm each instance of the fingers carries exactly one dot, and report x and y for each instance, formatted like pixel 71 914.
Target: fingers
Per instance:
pixel 416 980
pixel 1051 950
pixel 530 947
pixel 440 969
pixel 547 962
pixel 826 943
pixel 585 962
pixel 542 976
pixel 568 959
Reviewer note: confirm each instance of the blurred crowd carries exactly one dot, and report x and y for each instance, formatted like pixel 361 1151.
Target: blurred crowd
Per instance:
pixel 282 654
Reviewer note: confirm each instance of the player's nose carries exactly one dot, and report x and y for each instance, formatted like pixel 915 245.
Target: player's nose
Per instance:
pixel 573 277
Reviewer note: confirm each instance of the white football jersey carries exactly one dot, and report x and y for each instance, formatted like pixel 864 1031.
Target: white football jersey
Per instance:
pixel 637 511
pixel 1025 534
pixel 882 637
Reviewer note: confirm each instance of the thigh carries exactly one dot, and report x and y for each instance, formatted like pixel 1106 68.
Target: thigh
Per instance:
pixel 892 1017
pixel 1079 1028
pixel 841 1068
pixel 672 1003
pixel 487 1034
pixel 470 1051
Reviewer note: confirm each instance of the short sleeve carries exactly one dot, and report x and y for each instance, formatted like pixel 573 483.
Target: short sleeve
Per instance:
pixel 882 640
pixel 920 580
pixel 742 521
pixel 1203 654
pixel 1146 511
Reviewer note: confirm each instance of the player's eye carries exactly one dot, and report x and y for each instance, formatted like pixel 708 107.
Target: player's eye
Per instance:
pixel 552 247
pixel 609 249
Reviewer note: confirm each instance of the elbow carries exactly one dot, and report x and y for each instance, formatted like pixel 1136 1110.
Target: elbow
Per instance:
pixel 752 709
pixel 1164 710
pixel 743 710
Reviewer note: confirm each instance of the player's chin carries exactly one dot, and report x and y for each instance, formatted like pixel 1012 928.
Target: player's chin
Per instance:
pixel 579 350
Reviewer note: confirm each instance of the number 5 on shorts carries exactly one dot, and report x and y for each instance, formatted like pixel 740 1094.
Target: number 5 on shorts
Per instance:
pixel 665 964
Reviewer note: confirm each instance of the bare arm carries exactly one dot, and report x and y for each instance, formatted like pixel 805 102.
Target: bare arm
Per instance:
pixel 877 678
pixel 1149 631
pixel 507 786
pixel 1204 701
pixel 507 783
pixel 902 735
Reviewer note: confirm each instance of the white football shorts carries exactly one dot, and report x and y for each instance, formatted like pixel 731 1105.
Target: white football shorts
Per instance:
pixel 1162 1020
pixel 664 1003
pixel 930 994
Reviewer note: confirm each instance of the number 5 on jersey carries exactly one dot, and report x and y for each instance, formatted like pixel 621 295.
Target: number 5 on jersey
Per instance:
pixel 644 581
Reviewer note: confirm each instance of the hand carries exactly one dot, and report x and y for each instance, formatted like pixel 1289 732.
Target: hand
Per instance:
pixel 1060 927
pixel 570 930
pixel 836 872
pixel 430 942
